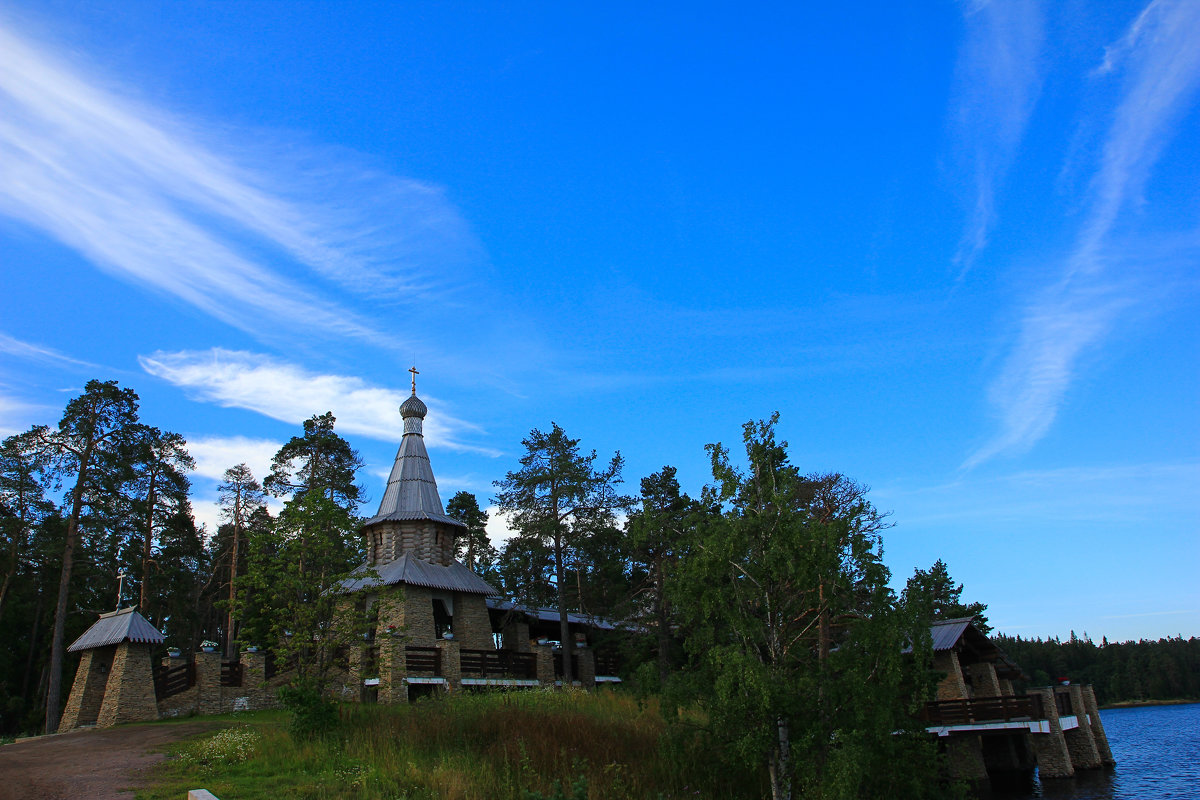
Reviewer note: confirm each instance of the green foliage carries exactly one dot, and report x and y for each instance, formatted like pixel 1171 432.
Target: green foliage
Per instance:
pixel 936 591
pixel 313 713
pixel 795 639
pixel 657 535
pixel 293 600
pixel 94 446
pixel 1141 671
pixel 473 547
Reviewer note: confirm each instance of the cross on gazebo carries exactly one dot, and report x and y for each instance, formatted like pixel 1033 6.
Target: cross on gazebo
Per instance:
pixel 414 372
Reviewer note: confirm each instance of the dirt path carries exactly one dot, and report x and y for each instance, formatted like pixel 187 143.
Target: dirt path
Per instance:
pixel 99 764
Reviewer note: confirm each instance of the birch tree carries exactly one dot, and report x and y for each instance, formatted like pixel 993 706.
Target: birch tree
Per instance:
pixel 794 635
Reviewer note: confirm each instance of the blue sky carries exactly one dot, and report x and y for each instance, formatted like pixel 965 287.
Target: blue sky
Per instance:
pixel 955 246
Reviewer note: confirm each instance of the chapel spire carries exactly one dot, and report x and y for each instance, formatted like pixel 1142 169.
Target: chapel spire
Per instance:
pixel 412 492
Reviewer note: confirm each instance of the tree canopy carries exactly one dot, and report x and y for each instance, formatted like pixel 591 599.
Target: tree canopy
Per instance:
pixel 793 634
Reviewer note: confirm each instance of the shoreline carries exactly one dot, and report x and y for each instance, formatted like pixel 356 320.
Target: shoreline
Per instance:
pixel 1144 703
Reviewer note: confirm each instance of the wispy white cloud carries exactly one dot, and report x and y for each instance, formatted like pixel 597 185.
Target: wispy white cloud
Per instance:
pixel 1119 494
pixel 16 413
pixel 1079 309
pixel 35 352
pixel 143 195
pixel 998 82
pixel 291 394
pixel 215 454
pixel 1153 614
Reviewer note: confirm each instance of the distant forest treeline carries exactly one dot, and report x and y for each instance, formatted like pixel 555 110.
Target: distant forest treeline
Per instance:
pixel 1167 669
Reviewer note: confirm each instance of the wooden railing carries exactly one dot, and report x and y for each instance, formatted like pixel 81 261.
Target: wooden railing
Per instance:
pixel 498 664
pixel 173 680
pixel 983 709
pixel 231 673
pixel 423 659
pixel 607 664
pixel 558 670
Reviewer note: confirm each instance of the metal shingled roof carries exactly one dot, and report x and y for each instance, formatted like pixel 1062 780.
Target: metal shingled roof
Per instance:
pixel 412 492
pixel 126 625
pixel 551 615
pixel 411 570
pixel 947 632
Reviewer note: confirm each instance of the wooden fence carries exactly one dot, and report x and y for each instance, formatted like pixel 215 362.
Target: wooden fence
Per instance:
pixel 174 680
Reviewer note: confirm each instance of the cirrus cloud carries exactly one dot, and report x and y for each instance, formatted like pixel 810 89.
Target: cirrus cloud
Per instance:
pixel 290 393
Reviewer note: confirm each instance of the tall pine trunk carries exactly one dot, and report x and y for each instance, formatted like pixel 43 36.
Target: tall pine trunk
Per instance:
pixel 54 683
pixel 147 547
pixel 564 625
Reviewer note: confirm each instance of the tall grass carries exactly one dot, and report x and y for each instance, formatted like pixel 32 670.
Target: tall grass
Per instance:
pixel 522 745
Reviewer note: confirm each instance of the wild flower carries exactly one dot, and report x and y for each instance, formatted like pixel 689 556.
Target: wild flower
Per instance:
pixel 230 746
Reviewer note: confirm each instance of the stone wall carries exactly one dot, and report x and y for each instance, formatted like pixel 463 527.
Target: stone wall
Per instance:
pixel 87 693
pixel 952 686
pixel 587 667
pixel 515 637
pixel 418 616
pixel 1098 734
pixel 1053 758
pixel 208 696
pixel 1080 743
pixel 129 693
pixel 984 682
pixel 472 625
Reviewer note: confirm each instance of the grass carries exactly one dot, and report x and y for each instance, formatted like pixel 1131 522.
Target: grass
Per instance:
pixel 537 745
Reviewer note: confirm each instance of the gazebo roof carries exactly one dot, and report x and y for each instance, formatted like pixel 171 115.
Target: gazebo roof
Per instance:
pixel 415 572
pixel 125 625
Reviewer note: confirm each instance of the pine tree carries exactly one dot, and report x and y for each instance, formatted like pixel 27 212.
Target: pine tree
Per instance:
pixel 91 441
pixel 557 497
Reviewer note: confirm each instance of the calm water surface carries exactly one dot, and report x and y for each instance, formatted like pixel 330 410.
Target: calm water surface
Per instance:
pixel 1157 749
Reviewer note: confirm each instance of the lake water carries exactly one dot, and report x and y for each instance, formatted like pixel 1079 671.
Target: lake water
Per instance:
pixel 1157 749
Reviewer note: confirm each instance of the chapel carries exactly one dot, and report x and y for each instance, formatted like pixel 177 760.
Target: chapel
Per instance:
pixel 410 545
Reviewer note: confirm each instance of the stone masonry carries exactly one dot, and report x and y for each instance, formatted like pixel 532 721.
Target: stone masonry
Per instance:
pixel 1080 743
pixel 516 637
pixel 472 626
pixel 1053 758
pixel 87 693
pixel 952 686
pixel 984 682
pixel 129 693
pixel 1098 734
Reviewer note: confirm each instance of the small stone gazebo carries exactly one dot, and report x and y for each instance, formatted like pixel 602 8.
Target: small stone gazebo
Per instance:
pixel 115 679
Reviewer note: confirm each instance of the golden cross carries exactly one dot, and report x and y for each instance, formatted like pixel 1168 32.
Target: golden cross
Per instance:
pixel 414 372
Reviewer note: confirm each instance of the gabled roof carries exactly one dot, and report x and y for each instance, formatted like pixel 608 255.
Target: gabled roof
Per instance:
pixel 415 572
pixel 411 489
pixel 551 615
pixel 947 632
pixel 961 634
pixel 126 625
